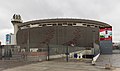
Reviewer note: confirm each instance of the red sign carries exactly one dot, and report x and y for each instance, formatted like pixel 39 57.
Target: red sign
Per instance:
pixel 105 33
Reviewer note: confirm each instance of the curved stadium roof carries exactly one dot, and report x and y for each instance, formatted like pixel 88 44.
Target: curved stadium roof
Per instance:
pixel 57 20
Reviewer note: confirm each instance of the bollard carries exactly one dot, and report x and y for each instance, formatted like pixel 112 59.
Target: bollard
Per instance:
pixel 93 62
pixel 108 66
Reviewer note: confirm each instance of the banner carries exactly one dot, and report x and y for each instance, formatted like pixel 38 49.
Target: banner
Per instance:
pixel 105 33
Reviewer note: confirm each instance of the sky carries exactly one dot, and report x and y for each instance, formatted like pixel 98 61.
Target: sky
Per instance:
pixel 107 11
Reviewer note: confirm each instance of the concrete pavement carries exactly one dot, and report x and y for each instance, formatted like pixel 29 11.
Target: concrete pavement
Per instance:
pixel 7 64
pixel 58 66
pixel 113 59
pixel 117 69
pixel 62 65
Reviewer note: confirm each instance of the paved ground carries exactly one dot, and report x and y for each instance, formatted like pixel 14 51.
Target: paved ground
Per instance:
pixel 113 59
pixel 12 64
pixel 62 65
pixel 116 51
pixel 58 66
pixel 117 69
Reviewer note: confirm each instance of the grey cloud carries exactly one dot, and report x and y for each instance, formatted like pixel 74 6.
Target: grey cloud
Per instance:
pixel 103 10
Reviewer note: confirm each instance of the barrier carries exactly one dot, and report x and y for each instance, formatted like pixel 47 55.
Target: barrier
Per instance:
pixel 95 59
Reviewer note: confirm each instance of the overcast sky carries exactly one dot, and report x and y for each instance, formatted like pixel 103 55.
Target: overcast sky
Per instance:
pixel 102 10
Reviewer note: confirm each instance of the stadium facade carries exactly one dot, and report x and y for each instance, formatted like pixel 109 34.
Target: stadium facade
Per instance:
pixel 59 33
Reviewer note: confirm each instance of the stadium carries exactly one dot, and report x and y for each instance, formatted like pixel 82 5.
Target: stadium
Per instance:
pixel 60 35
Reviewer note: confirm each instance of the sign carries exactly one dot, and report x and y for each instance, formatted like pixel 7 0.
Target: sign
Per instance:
pixel 105 33
pixel 8 39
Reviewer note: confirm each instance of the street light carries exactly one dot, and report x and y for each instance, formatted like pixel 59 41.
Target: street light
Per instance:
pixel 28 42
pixel 48 52
pixel 67 53
pixel 93 33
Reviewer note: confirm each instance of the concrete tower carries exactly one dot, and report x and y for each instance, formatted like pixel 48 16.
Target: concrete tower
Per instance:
pixel 16 21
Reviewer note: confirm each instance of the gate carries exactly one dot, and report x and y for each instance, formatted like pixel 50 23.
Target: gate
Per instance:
pixel 68 53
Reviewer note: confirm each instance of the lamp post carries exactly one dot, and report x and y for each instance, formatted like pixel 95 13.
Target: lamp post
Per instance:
pixel 28 42
pixel 93 33
pixel 48 52
pixel 67 53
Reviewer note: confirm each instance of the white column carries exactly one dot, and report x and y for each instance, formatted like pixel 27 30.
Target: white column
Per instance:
pixel 15 32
